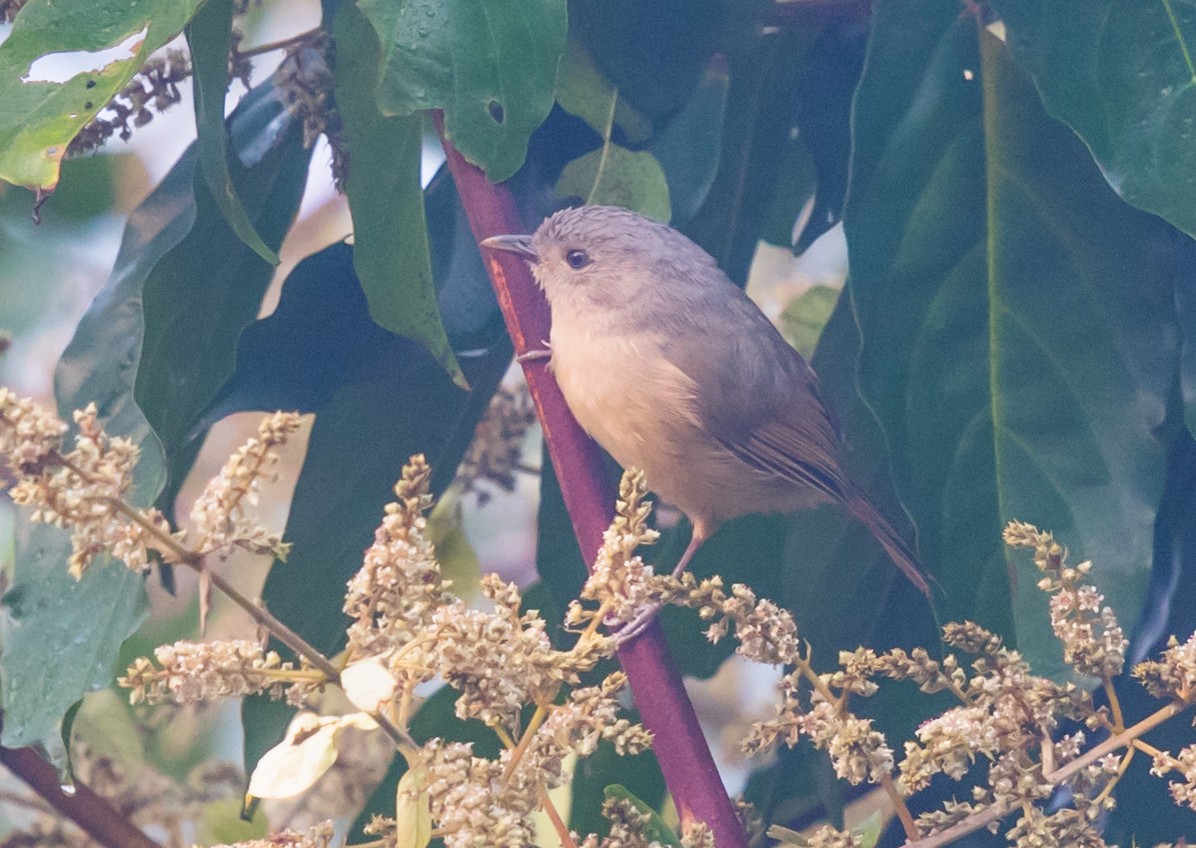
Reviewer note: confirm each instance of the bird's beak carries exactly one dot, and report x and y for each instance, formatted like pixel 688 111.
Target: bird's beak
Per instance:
pixel 519 245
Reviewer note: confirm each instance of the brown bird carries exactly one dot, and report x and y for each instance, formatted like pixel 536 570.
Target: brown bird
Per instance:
pixel 672 369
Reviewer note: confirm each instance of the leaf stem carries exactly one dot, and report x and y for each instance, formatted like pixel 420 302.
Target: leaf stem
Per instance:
pixel 281 44
pixel 558 824
pixel 606 134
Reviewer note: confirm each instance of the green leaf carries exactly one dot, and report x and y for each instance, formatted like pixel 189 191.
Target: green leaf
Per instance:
pixel 38 118
pixel 198 297
pixel 1016 342
pixel 805 316
pixel 210 36
pixel 616 176
pixel 60 635
pixel 1122 75
pixel 220 823
pixel 490 65
pixel 390 241
pixel 1083 346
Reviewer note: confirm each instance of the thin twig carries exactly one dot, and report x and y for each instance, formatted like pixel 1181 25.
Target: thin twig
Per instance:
pixel 996 811
pixel 84 807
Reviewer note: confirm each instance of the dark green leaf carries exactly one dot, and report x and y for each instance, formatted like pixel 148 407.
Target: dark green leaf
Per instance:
pixel 581 90
pixel 1083 347
pixel 388 407
pixel 390 241
pixel 489 65
pixel 654 52
pixel 1070 310
pixel 793 200
pixel 756 127
pixel 200 296
pixel 38 118
pixel 689 147
pixel 1121 75
pixel 209 37
pixel 830 74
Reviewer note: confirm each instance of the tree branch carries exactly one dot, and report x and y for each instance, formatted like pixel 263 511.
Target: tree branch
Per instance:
pixel 85 808
pixel 665 710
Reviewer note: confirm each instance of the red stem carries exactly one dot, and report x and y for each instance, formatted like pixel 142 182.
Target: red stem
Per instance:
pixel 85 808
pixel 665 710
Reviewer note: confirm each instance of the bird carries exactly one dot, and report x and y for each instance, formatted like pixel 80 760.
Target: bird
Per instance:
pixel 672 369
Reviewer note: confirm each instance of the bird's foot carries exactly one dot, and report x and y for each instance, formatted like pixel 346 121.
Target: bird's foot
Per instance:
pixel 535 353
pixel 637 625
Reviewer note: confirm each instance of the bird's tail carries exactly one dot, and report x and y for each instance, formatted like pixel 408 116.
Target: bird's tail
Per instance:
pixel 890 540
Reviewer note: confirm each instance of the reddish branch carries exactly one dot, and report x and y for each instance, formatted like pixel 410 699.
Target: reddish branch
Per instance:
pixel 85 808
pixel 685 761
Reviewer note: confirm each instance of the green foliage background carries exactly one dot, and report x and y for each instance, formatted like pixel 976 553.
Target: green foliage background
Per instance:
pixel 1013 341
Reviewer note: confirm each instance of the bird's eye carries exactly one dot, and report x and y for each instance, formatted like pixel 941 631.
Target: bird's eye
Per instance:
pixel 577 259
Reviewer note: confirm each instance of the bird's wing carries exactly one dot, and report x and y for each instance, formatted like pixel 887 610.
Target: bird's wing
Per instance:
pixel 758 397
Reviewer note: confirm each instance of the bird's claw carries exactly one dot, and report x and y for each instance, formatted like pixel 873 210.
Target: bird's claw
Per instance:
pixel 535 353
pixel 637 625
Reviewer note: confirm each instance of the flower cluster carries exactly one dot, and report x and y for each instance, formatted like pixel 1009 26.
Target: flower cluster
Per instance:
pixel 188 672
pixel 84 490
pixel 9 9
pixel 1173 675
pixel 496 450
pixel 1093 643
pixel 620 580
pixel 398 588
pixel 219 515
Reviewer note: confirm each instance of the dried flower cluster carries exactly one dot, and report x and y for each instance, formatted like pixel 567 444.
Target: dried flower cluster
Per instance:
pixel 81 490
pixel 305 80
pixel 1007 717
pixel 9 9
pixel 155 88
pixel 407 629
pixel 495 453
pixel 620 581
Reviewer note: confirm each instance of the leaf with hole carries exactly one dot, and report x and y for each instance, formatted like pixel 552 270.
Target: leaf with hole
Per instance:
pixel 39 113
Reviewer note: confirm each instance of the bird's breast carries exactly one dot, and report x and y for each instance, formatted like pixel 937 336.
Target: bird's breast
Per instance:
pixel 632 401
